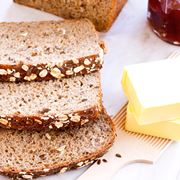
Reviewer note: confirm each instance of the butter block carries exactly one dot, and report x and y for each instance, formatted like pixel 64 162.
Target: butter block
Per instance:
pixel 166 129
pixel 153 90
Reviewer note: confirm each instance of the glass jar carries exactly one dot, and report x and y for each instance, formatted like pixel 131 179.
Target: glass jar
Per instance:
pixel 164 18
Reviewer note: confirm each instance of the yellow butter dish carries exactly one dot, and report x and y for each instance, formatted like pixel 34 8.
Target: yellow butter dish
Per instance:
pixel 166 129
pixel 153 90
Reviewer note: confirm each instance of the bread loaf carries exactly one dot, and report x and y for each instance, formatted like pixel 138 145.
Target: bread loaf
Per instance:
pixel 101 13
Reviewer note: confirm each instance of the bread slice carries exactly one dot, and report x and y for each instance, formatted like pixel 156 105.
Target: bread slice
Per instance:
pixel 28 154
pixel 101 13
pixel 50 104
pixel 36 51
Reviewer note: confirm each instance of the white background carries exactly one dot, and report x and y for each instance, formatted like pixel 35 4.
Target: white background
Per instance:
pixel 129 41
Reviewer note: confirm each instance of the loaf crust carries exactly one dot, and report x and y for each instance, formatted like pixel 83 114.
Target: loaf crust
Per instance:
pixel 66 166
pixel 36 122
pixel 41 72
pixel 118 4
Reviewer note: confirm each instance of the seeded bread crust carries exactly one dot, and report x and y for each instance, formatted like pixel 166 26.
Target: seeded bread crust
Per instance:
pixel 101 24
pixel 27 72
pixel 23 65
pixel 50 122
pixel 62 167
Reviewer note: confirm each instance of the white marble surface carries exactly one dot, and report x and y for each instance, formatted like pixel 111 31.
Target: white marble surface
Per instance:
pixel 129 41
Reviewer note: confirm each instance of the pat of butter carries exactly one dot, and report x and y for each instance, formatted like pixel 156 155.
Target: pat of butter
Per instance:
pixel 153 90
pixel 166 129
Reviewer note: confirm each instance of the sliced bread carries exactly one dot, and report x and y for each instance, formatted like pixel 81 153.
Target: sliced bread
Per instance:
pixel 35 51
pixel 28 154
pixel 50 104
pixel 101 13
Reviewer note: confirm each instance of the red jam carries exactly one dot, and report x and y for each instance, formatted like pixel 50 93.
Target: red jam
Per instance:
pixel 164 17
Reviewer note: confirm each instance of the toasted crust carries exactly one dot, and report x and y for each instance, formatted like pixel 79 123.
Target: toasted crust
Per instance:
pixel 36 122
pixel 39 72
pixel 63 167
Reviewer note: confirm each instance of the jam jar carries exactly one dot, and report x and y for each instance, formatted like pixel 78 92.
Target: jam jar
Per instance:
pixel 164 18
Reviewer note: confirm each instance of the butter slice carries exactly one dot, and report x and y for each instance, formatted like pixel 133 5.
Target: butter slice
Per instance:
pixel 153 90
pixel 167 129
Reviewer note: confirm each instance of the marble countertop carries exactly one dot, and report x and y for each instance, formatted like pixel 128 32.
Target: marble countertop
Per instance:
pixel 129 41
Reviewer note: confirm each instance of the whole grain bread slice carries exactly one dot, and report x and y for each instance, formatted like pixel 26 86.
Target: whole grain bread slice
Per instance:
pixel 36 51
pixel 52 104
pixel 28 154
pixel 101 12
